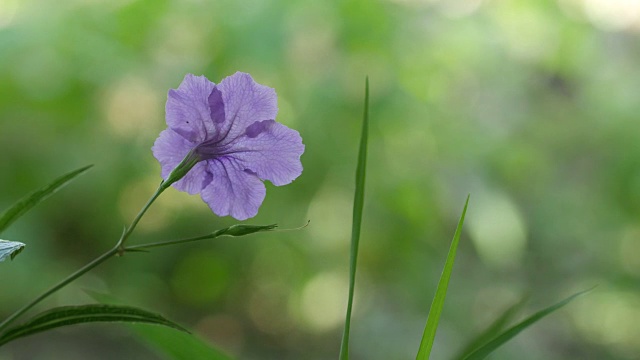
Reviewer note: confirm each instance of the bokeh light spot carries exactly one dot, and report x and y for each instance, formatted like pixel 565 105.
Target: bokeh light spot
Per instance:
pixel 132 107
pixel 324 301
pixel 497 229
pixel 459 8
pixel 612 14
pixel 520 21
pixel 629 250
pixel 610 318
pixel 332 208
pixel 181 44
pixel 8 11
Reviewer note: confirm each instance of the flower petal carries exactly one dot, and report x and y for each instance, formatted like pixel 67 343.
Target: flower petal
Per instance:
pixel 170 148
pixel 271 150
pixel 232 190
pixel 245 102
pixel 188 110
pixel 196 179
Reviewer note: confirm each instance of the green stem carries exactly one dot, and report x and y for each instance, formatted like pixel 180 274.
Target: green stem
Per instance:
pixel 118 249
pixel 233 230
pixel 60 285
pixel 169 242
pixel 125 235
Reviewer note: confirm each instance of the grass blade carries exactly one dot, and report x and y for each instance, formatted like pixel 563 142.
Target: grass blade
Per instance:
pixel 177 344
pixel 164 340
pixel 429 334
pixel 492 345
pixel 358 202
pixel 70 315
pixel 494 329
pixel 26 203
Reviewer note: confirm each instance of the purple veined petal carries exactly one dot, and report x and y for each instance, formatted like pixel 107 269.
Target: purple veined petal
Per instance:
pixel 216 106
pixel 229 129
pixel 196 179
pixel 169 149
pixel 245 102
pixel 233 191
pixel 188 110
pixel 271 150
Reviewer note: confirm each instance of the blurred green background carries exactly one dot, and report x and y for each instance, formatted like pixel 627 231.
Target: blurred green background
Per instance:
pixel 530 106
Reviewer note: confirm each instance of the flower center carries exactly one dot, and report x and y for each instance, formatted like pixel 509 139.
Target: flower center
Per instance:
pixel 210 149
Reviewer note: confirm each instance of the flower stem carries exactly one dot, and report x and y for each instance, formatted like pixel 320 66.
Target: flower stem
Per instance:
pixel 59 286
pixel 233 230
pixel 125 235
pixel 117 250
pixel 142 247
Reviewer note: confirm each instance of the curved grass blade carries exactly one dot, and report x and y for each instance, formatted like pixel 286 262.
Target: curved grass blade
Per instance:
pixel 26 203
pixel 358 203
pixel 433 318
pixel 177 345
pixel 164 340
pixel 494 329
pixel 70 315
pixel 10 249
pixel 488 348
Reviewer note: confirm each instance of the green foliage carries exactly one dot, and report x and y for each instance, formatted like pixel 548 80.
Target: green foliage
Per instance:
pixel 29 201
pixel 358 203
pixel 177 345
pixel 461 103
pixel 429 334
pixel 494 329
pixel 71 315
pixel 486 349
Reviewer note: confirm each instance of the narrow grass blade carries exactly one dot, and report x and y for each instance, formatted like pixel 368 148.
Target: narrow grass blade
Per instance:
pixel 494 329
pixel 486 349
pixel 174 344
pixel 26 203
pixel 358 202
pixel 70 315
pixel 429 334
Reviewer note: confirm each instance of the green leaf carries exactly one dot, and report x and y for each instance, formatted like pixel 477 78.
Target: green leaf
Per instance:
pixel 26 203
pixel 429 334
pixel 494 329
pixel 488 348
pixel 9 249
pixel 358 203
pixel 176 345
pixel 70 315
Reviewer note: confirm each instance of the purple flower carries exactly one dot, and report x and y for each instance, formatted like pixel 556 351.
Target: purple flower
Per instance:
pixel 227 132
